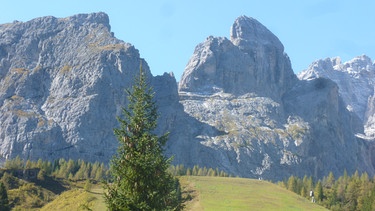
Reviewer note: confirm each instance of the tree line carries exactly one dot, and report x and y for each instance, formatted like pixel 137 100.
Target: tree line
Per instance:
pixel 355 192
pixel 181 170
pixel 61 168
pixel 81 170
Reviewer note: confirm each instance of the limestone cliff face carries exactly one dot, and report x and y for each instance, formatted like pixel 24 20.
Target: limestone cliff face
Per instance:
pixel 370 117
pixel 355 79
pixel 62 86
pixel 253 60
pixel 331 144
pixel 268 124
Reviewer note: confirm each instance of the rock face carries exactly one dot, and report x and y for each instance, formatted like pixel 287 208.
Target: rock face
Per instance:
pixel 238 106
pixel 62 85
pixel 355 79
pixel 253 60
pixel 269 124
pixel 370 117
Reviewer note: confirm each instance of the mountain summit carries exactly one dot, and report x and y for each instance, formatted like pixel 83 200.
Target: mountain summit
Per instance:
pixel 253 60
pixel 246 32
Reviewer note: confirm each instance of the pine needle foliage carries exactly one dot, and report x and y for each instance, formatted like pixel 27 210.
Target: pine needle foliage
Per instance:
pixel 4 202
pixel 140 180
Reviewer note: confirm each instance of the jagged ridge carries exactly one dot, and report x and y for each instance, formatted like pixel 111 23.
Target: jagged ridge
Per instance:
pixel 356 80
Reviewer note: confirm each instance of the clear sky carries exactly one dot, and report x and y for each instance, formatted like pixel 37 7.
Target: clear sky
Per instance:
pixel 166 32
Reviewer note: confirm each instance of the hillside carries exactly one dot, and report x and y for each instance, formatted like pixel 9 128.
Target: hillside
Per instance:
pixel 205 193
pixel 78 199
pixel 223 193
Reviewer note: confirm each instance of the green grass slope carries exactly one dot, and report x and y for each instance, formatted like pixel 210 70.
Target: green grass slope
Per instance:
pixel 222 193
pixel 203 193
pixel 78 199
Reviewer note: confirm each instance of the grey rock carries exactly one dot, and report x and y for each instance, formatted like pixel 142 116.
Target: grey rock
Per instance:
pixel 331 144
pixel 370 117
pixel 268 123
pixel 62 86
pixel 253 60
pixel 355 79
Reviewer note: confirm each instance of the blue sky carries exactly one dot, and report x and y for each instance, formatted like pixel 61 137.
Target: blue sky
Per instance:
pixel 166 32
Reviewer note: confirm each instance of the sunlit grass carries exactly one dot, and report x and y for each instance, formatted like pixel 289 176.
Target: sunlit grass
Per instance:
pixel 203 193
pixel 221 193
pixel 78 199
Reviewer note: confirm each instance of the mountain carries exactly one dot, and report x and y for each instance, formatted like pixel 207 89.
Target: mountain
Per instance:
pixel 238 106
pixel 356 82
pixel 269 124
pixel 62 86
pixel 252 61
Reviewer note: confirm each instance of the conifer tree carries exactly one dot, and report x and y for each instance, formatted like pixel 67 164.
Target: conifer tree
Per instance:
pixel 319 195
pixel 292 184
pixel 4 202
pixel 188 172
pixel 195 170
pixel 139 169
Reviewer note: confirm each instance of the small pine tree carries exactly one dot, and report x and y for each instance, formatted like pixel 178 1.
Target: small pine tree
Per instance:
pixel 211 172
pixel 303 192
pixel 88 185
pixel 16 163
pixel 200 172
pixel 319 195
pixel 329 181
pixel 94 169
pixel 188 172
pixel 10 181
pixel 223 174
pixel 41 175
pixel 99 172
pixel 139 169
pixel 292 184
pixel 39 163
pixel 195 170
pixel 71 177
pixel 4 202
pixel 28 164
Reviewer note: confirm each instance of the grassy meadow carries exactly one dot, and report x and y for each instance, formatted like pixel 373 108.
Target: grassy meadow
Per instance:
pixel 78 199
pixel 202 193
pixel 222 193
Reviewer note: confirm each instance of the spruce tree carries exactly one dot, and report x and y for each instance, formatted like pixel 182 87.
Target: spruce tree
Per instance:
pixel 319 195
pixel 139 169
pixel 4 202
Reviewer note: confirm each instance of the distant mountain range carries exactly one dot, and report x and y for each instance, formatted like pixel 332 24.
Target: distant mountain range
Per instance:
pixel 238 106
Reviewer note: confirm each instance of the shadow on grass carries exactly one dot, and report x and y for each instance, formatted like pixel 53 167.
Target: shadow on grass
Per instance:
pixel 54 185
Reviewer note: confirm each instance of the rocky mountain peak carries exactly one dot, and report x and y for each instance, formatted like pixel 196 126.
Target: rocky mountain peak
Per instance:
pixel 355 79
pixel 359 64
pixel 247 32
pixel 92 18
pixel 59 77
pixel 357 67
pixel 252 61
